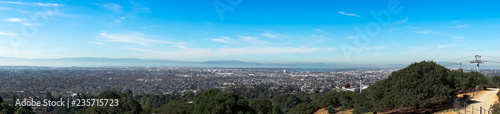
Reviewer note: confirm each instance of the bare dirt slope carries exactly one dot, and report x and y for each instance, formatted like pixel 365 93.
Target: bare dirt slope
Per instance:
pixel 325 111
pixel 321 111
pixel 485 100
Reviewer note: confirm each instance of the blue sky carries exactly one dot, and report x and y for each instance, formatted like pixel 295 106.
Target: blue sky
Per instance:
pixel 278 31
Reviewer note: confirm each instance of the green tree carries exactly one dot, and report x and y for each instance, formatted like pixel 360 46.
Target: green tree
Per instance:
pixel 346 100
pixel 6 109
pixel 175 107
pixel 420 85
pixel 287 102
pixel 495 108
pixel 49 96
pixel 24 110
pixel 276 109
pixel 495 81
pixel 478 78
pixel 300 109
pixel 261 106
pixel 362 103
pixel 129 93
pixel 465 81
pixel 128 105
pixel 214 101
pixel 331 110
pixel 110 95
pixel 462 81
pixel 14 98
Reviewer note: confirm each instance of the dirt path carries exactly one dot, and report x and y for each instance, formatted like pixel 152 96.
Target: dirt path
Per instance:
pixel 485 100
pixel 325 111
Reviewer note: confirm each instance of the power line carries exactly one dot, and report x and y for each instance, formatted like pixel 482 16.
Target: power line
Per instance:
pixel 494 61
pixel 492 57
pixel 450 60
pixel 453 63
pixel 496 58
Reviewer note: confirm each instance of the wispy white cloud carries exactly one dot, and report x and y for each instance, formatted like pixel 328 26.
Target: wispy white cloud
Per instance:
pixel 134 38
pixel 272 35
pixel 22 11
pixel 349 37
pixel 269 35
pixel 21 21
pixel 3 8
pixel 374 48
pixel 15 19
pixel 253 40
pixel 10 2
pixel 459 26
pixel 348 14
pixel 138 8
pixel 225 39
pixel 48 4
pixel 318 36
pixel 458 37
pixel 35 4
pixel 426 32
pixel 96 43
pixel 319 30
pixel 401 21
pixel 47 13
pixel 7 34
pixel 196 42
pixel 446 46
pixel 366 48
pixel 119 20
pixel 113 7
pixel 135 8
pixel 221 39
pixel 122 12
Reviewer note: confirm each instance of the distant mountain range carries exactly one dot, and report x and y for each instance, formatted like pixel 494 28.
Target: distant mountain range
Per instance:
pixel 112 62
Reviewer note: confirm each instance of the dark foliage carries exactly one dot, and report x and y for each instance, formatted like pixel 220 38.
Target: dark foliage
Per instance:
pixel 6 109
pixel 261 106
pixel 417 86
pixel 214 101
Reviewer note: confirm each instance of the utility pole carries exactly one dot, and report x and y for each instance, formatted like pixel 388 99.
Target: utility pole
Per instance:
pixel 361 84
pixel 478 60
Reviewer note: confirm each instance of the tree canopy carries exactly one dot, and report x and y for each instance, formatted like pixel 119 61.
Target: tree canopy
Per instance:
pixel 214 101
pixel 420 85
pixel 6 109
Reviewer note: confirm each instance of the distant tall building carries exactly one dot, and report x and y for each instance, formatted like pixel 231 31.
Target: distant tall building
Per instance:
pixel 284 71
